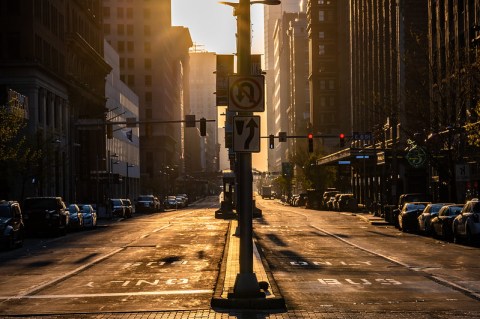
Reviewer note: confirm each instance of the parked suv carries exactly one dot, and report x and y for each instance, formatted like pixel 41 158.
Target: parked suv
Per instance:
pixel 467 224
pixel 45 214
pixel 11 224
pixel 148 204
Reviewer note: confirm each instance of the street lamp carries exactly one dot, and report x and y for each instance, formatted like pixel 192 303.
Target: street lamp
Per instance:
pixel 246 283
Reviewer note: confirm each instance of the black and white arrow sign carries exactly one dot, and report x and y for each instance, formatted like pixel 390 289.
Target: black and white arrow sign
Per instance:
pixel 246 137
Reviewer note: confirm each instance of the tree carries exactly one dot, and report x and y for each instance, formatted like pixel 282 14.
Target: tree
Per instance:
pixel 17 154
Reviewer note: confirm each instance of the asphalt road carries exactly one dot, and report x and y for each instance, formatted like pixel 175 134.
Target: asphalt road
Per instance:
pixel 338 261
pixel 162 261
pixel 323 262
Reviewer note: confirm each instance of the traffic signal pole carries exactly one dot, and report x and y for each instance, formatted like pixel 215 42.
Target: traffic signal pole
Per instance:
pixel 246 283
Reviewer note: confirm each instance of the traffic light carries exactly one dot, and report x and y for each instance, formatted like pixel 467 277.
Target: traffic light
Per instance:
pixel 342 140
pixel 310 142
pixel 109 131
pixel 203 127
pixel 271 140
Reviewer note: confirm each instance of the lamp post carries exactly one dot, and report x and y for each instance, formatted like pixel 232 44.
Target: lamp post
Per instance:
pixel 246 284
pixel 110 171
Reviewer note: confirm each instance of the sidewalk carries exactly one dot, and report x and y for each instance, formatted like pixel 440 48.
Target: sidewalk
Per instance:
pixel 223 296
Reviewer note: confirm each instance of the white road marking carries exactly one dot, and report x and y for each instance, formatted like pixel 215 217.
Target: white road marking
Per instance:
pixel 113 294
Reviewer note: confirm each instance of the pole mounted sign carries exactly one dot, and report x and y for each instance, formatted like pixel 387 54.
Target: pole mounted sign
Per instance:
pixel 246 93
pixel 246 137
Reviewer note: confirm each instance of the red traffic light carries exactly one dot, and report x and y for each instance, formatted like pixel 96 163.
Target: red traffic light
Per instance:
pixel 310 135
pixel 342 135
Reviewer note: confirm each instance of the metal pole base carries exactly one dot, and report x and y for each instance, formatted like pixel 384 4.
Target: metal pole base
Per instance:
pixel 246 286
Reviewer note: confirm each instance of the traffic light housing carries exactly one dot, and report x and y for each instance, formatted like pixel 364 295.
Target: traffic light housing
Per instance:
pixel 203 127
pixel 342 140
pixel 271 141
pixel 310 142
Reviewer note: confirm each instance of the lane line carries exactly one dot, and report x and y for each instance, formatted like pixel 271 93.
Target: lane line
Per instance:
pixel 113 294
pixel 444 282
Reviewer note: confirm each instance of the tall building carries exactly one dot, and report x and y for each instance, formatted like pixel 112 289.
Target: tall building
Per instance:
pixel 154 63
pixel 272 15
pixel 454 90
pixel 123 148
pixel 203 104
pixel 52 52
pixel 388 69
pixel 328 68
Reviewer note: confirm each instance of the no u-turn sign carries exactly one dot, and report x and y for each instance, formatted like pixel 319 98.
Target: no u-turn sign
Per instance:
pixel 246 93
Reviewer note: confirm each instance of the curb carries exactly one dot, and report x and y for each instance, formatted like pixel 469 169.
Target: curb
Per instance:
pixel 218 302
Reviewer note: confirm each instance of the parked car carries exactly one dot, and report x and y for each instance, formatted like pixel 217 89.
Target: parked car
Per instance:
pixel 466 226
pixel 147 204
pixel 408 216
pixel 405 198
pixel 335 201
pixel 171 202
pixel 330 203
pixel 117 208
pixel 346 202
pixel 329 193
pixel 185 196
pixel 11 224
pixel 181 201
pixel 45 214
pixel 442 224
pixel 127 204
pixel 425 218
pixel 89 215
pixel 75 217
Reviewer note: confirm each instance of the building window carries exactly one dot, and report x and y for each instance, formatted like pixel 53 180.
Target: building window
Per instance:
pixel 146 13
pixel 321 35
pixel 321 15
pixel 122 63
pixel 331 85
pixel 106 29
pixel 321 49
pixel 322 85
pixel 148 113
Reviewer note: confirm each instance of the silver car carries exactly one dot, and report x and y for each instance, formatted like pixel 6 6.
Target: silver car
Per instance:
pixel 466 226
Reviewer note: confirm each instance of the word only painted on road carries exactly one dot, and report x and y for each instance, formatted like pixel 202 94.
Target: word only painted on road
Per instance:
pixel 329 263
pixel 143 282
pixel 154 264
pixel 359 282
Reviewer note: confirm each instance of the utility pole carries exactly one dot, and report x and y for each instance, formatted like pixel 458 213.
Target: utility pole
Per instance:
pixel 246 283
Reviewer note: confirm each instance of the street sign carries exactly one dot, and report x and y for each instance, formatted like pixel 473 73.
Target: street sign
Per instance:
pixel 246 134
pixel 246 93
pixel 362 136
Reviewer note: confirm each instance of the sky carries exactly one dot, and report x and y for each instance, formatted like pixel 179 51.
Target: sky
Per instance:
pixel 212 28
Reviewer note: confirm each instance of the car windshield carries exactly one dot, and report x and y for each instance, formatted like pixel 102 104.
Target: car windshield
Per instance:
pixel 117 202
pixel 414 206
pixel 5 211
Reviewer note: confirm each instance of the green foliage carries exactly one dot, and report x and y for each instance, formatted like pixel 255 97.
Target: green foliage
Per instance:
pixel 309 174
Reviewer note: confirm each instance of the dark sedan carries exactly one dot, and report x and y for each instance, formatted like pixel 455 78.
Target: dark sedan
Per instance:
pixel 429 213
pixel 11 224
pixel 408 216
pixel 442 224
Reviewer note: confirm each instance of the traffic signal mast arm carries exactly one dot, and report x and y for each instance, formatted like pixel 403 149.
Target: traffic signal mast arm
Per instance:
pixel 138 122
pixel 306 136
